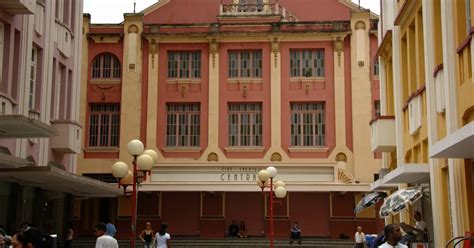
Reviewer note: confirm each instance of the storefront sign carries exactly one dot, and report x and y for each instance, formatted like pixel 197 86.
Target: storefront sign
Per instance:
pixel 239 174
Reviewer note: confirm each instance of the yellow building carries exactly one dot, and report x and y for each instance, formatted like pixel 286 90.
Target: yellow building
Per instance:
pixel 426 130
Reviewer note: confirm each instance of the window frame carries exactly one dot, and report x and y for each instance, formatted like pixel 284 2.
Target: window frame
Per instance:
pixel 254 111
pixel 33 78
pixel 112 111
pixel 298 124
pixel 316 59
pixel 254 64
pixel 114 68
pixel 190 113
pixel 376 67
pixel 377 108
pixel 176 66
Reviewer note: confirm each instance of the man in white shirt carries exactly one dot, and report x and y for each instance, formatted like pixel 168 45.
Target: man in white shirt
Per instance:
pixel 104 240
pixel 393 234
pixel 359 238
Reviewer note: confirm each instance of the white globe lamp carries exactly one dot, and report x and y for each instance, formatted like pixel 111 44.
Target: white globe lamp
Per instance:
pixel 128 179
pixel 135 147
pixel 152 154
pixel 119 169
pixel 145 162
pixel 278 184
pixel 272 171
pixel 280 192
pixel 263 175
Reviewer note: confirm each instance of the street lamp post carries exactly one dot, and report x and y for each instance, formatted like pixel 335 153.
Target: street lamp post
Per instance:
pixel 142 163
pixel 277 189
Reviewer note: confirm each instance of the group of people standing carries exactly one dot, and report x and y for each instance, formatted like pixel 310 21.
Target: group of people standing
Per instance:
pixel 105 236
pixel 396 235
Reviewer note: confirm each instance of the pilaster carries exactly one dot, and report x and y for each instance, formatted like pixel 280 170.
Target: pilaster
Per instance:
pixel 152 91
pixel 130 106
pixel 439 224
pixel 213 115
pixel 457 183
pixel 339 92
pixel 275 98
pixel 361 96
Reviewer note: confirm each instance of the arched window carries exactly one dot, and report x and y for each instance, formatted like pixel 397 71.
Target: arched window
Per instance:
pixel 106 66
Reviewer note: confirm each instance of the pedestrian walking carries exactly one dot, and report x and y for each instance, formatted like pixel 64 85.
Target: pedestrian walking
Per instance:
pixel 163 238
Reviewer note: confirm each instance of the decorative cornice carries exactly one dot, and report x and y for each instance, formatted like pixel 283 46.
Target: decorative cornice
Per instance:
pixel 105 37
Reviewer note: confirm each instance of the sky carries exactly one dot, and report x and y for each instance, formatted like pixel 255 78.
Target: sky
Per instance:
pixel 111 11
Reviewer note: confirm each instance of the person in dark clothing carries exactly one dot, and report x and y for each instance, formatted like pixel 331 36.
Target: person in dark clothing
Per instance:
pixel 233 230
pixel 147 236
pixel 295 233
pixel 31 237
pixel 69 236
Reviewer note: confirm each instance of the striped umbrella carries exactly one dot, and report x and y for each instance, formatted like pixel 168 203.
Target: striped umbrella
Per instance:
pixel 369 200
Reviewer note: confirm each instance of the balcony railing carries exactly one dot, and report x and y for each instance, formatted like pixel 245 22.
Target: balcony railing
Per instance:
pixel 262 9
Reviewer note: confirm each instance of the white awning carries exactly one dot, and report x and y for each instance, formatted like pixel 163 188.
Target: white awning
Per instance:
pixel 458 144
pixel 9 161
pixel 380 185
pixel 55 179
pixel 409 173
pixel 20 126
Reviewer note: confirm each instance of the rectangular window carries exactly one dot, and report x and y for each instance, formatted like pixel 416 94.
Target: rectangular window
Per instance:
pixel 245 124
pixel 245 64
pixel 183 122
pixel 184 64
pixel 307 63
pixel 376 67
pixel 32 85
pixel 104 125
pixel 377 108
pixel 308 124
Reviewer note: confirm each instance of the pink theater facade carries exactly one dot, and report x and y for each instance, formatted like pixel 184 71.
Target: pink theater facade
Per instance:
pixel 222 89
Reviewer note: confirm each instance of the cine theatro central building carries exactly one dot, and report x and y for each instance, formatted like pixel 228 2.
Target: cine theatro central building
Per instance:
pixel 222 89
